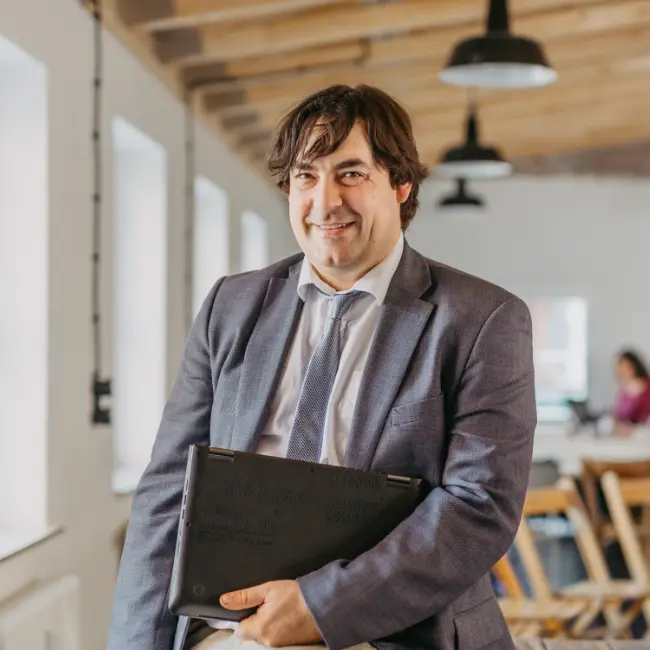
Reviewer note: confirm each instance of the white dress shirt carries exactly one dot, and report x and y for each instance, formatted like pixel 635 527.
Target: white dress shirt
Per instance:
pixel 358 327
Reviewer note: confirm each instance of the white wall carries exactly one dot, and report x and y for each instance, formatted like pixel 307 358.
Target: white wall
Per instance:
pixel 557 236
pixel 79 496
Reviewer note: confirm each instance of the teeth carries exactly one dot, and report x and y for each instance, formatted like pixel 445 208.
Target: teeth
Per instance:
pixel 333 227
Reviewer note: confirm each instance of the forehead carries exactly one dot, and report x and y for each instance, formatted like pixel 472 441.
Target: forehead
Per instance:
pixel 354 146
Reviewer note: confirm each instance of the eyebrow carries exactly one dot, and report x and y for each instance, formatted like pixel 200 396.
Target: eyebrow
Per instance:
pixel 345 164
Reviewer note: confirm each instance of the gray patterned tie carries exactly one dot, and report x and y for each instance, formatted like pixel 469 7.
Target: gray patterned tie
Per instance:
pixel 307 431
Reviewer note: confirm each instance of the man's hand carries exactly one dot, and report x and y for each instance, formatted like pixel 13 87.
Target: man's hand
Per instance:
pixel 282 618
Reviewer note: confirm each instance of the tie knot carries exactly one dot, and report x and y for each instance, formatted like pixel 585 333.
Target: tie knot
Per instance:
pixel 340 302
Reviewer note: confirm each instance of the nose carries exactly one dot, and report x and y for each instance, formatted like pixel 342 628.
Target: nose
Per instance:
pixel 328 196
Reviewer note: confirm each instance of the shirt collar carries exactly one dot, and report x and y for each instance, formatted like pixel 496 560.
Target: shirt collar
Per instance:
pixel 375 282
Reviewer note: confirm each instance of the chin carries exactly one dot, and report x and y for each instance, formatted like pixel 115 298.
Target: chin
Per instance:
pixel 334 258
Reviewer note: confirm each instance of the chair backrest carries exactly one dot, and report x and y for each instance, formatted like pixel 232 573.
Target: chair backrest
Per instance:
pixel 592 472
pixel 505 573
pixel 621 495
pixel 562 498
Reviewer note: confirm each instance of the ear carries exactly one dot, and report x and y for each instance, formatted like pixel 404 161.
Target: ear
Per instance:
pixel 404 191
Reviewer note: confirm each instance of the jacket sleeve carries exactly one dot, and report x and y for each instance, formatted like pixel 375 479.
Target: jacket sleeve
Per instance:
pixel 141 619
pixel 465 524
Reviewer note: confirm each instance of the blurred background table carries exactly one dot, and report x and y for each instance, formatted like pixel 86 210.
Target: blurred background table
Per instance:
pixel 557 443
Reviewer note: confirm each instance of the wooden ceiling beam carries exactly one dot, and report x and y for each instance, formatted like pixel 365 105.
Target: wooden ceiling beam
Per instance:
pixel 274 108
pixel 330 25
pixel 570 144
pixel 630 159
pixel 577 130
pixel 587 100
pixel 261 139
pixel 300 85
pixel 552 135
pixel 239 70
pixel 163 15
pixel 289 91
pixel 616 42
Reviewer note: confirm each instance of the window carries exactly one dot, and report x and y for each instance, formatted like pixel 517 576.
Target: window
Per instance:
pixel 211 246
pixel 139 298
pixel 560 350
pixel 23 297
pixel 254 242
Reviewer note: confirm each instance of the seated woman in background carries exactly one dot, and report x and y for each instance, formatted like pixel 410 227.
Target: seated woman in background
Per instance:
pixel 633 404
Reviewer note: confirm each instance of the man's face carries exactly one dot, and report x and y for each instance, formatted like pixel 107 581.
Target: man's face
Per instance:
pixel 344 212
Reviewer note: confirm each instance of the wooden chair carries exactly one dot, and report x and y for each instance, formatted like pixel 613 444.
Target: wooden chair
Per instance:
pixel 592 473
pixel 599 593
pixel 622 494
pixel 531 617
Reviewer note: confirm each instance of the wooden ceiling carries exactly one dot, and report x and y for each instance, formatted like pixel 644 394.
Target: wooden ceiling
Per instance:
pixel 248 61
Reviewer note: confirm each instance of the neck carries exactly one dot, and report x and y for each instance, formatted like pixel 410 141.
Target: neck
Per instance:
pixel 337 281
pixel 636 386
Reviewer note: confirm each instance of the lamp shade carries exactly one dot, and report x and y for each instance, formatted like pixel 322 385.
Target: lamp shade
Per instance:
pixel 473 160
pixel 461 197
pixel 498 59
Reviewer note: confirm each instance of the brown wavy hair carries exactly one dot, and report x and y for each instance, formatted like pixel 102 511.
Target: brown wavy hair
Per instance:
pixel 333 112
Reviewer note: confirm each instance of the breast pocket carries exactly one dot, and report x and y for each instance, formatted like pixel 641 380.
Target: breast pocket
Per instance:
pixel 417 412
pixel 413 442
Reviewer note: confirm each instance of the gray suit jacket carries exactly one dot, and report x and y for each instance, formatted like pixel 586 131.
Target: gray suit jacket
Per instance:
pixel 447 395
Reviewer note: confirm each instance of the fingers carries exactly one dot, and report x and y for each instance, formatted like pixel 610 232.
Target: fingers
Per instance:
pixel 244 598
pixel 259 629
pixel 246 630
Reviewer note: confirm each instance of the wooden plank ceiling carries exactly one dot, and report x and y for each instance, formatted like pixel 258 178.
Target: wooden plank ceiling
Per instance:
pixel 249 61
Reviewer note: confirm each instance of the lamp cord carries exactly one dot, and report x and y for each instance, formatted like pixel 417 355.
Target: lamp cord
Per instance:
pixel 100 387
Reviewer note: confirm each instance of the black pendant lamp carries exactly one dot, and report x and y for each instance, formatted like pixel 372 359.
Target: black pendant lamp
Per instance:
pixel 498 59
pixel 461 198
pixel 473 160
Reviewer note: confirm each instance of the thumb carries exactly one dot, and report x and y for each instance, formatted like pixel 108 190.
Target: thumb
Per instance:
pixel 244 598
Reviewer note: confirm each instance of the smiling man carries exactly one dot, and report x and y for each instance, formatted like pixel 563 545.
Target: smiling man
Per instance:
pixel 359 352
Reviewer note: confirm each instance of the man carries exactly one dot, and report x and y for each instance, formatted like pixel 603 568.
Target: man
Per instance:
pixel 362 353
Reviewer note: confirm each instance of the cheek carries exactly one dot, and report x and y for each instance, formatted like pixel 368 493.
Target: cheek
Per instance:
pixel 298 209
pixel 360 200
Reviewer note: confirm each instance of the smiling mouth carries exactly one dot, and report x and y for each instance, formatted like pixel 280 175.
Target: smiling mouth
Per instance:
pixel 329 227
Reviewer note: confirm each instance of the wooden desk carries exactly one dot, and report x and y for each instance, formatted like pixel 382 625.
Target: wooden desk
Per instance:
pixel 553 442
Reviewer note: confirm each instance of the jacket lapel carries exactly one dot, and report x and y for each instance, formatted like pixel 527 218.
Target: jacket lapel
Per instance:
pixel 403 319
pixel 264 357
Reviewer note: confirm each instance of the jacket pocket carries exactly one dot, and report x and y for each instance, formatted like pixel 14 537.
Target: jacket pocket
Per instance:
pixel 417 411
pixel 480 626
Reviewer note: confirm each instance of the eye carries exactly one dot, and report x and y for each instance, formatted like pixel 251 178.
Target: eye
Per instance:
pixel 351 178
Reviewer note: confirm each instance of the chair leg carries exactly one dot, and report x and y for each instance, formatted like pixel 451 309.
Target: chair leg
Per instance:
pixel 585 620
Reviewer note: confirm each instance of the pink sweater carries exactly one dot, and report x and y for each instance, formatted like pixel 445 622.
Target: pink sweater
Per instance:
pixel 634 408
